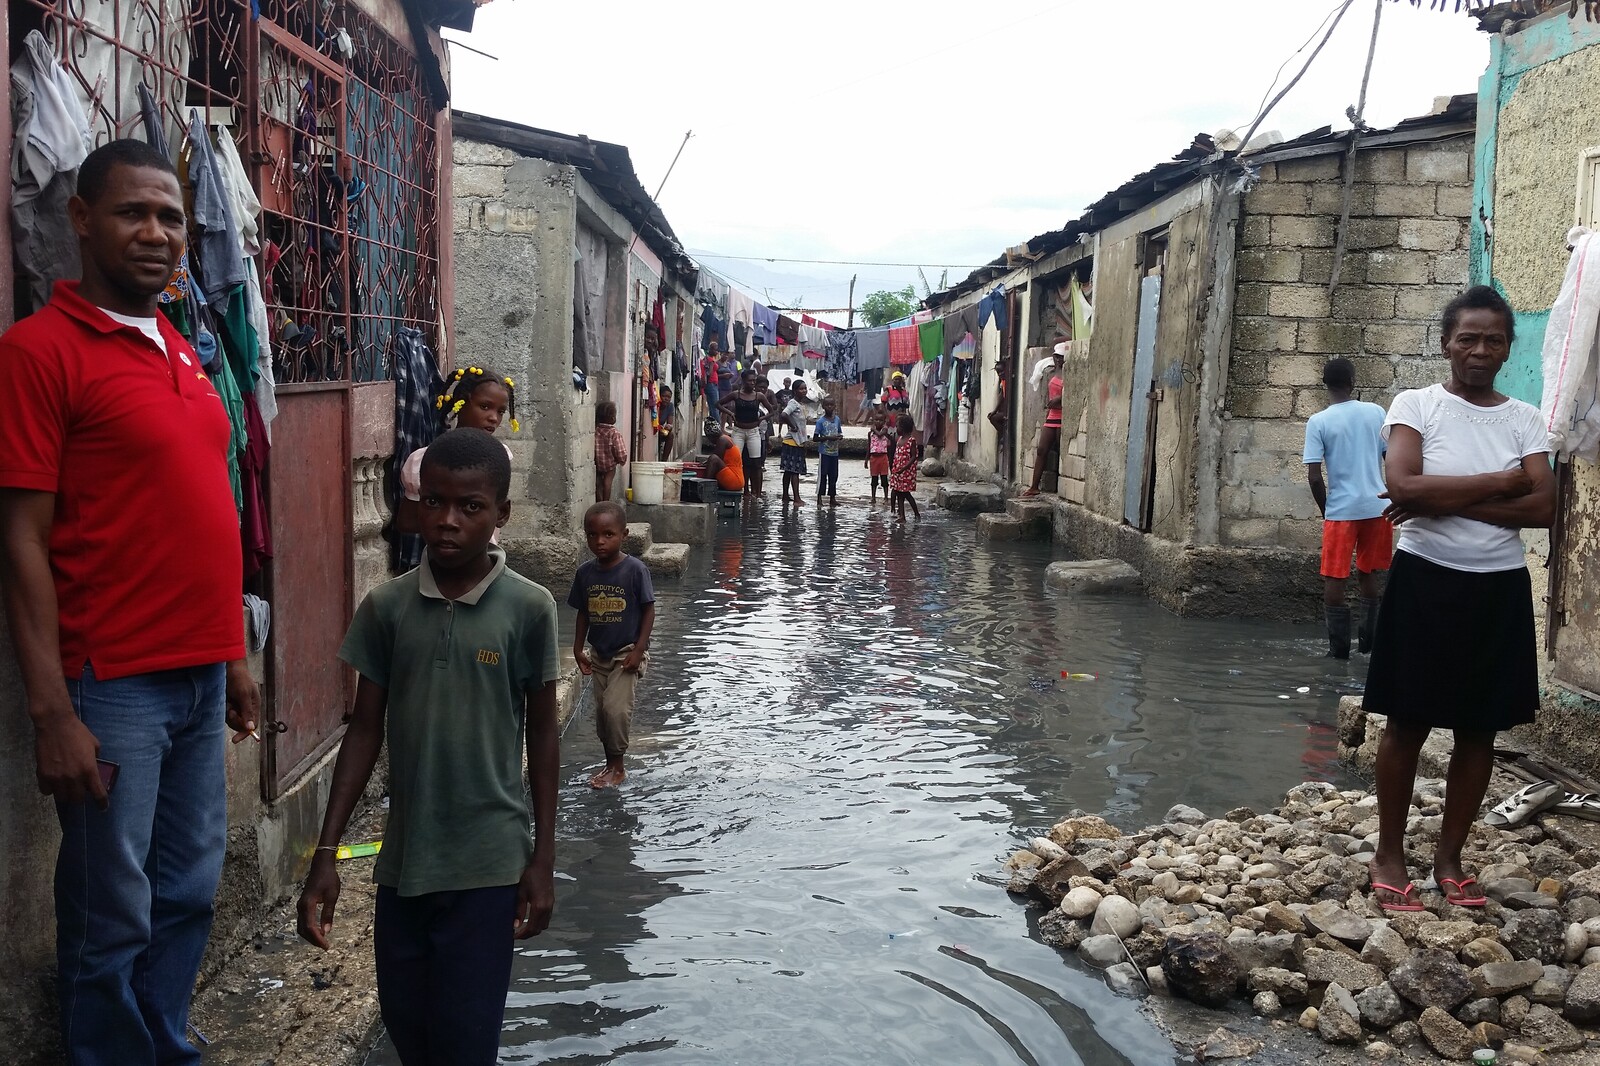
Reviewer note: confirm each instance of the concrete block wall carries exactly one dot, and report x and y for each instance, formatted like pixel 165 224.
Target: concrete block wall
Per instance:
pixel 1406 255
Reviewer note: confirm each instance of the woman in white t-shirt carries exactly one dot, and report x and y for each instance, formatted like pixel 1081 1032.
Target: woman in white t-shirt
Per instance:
pixel 1467 468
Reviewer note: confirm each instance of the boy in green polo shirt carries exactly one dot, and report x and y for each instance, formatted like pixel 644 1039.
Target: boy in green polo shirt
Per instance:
pixel 457 661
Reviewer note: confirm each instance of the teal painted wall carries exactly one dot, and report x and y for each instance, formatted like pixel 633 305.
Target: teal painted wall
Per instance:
pixel 1509 59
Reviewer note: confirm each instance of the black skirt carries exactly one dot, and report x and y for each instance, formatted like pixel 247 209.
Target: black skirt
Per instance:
pixel 1454 649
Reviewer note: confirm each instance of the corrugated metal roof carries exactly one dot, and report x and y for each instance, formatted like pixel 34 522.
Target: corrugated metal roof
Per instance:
pixel 604 165
pixel 1199 158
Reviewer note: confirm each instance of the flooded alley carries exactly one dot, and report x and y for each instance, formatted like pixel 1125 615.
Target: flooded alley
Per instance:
pixel 846 723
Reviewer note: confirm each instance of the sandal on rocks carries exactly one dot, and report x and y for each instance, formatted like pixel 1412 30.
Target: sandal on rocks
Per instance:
pixel 1405 895
pixel 1461 899
pixel 1524 803
pixel 1579 805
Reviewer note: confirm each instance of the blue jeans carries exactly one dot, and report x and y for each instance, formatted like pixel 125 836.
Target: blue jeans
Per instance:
pixel 135 882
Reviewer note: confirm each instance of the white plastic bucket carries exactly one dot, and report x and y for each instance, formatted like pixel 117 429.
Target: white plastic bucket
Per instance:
pixel 648 482
pixel 672 483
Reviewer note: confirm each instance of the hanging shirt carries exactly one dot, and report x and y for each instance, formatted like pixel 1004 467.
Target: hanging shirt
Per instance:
pixel 842 362
pixel 872 349
pixel 905 346
pixel 930 338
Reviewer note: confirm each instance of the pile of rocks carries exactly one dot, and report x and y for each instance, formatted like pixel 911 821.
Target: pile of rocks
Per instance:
pixel 1277 908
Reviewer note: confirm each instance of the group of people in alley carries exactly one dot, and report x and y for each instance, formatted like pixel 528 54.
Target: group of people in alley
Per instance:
pixel 121 570
pixel 741 426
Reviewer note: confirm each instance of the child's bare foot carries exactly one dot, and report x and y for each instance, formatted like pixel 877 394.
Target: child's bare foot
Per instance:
pixel 612 776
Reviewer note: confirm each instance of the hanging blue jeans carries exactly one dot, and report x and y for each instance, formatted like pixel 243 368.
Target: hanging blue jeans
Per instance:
pixel 135 882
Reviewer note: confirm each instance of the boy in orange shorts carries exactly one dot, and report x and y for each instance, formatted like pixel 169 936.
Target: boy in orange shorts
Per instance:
pixel 1347 439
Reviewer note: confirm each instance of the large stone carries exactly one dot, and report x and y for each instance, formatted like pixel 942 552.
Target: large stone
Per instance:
pixel 1281 950
pixel 1227 1044
pixel 1483 951
pixel 1575 943
pixel 1551 988
pixel 666 560
pixel 1544 1028
pixel 1447 1037
pixel 1474 1011
pixel 1092 575
pixel 1339 1019
pixel 1124 979
pixel 1335 967
pixel 1447 936
pixel 1200 967
pixel 1060 931
pixel 970 497
pixel 1385 948
pixel 1083 827
pixel 1381 1006
pixel 1503 978
pixel 1080 902
pixel 1583 996
pixel 1288 986
pixel 1185 815
pixel 1432 979
pixel 1280 919
pixel 1117 916
pixel 1104 950
pixel 1052 882
pixel 1328 917
pixel 1535 934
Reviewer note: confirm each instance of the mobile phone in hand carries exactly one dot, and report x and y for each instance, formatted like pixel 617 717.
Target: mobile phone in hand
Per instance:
pixel 108 774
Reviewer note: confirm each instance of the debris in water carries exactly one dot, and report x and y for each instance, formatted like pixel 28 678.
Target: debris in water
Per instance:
pixel 1235 673
pixel 903 936
pixel 1303 689
pixel 205 1041
pixel 1065 676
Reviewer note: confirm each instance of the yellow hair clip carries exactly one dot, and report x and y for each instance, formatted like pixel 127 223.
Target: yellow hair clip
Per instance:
pixel 458 405
pixel 459 372
pixel 516 427
pixel 510 384
pixel 438 404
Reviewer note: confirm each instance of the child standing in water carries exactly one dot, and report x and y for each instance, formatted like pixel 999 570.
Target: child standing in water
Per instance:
pixel 878 454
pixel 616 605
pixel 474 398
pixel 903 471
pixel 609 450
pixel 457 670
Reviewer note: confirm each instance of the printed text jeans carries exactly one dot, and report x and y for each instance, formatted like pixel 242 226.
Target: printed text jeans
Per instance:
pixel 135 882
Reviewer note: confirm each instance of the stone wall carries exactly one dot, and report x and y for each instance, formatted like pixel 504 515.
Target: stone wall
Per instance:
pixel 515 222
pixel 1406 256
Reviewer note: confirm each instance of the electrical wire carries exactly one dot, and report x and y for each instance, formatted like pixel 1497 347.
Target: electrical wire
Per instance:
pixel 835 262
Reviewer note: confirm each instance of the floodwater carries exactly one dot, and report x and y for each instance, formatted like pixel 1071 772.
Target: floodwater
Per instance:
pixel 846 727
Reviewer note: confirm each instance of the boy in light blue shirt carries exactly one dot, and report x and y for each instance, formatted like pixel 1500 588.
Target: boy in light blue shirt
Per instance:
pixel 1347 440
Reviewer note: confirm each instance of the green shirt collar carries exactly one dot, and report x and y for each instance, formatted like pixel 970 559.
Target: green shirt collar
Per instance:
pixel 429 587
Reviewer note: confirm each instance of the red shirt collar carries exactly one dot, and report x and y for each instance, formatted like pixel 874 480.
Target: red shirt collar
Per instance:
pixel 65 298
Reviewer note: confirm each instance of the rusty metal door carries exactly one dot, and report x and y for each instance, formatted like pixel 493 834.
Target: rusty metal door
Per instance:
pixel 310 581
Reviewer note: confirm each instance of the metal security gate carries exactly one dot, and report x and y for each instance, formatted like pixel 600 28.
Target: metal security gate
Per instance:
pixel 334 121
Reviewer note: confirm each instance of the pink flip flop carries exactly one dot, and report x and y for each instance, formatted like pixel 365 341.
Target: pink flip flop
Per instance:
pixel 1461 899
pixel 1403 893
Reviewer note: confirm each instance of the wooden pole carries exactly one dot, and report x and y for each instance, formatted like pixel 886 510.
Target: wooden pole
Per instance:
pixel 850 323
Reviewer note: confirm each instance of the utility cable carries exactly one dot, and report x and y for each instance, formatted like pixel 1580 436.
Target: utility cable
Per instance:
pixel 836 262
pixel 1358 124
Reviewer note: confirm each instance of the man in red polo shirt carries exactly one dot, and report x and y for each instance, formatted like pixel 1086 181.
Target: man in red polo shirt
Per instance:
pixel 121 571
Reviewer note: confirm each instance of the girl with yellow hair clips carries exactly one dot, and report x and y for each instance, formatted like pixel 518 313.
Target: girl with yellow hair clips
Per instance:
pixel 473 398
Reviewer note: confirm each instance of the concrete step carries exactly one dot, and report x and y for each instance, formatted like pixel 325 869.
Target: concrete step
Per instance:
pixel 1093 575
pixel 667 560
pixel 996 526
pixel 970 497
pixel 1031 508
pixel 638 539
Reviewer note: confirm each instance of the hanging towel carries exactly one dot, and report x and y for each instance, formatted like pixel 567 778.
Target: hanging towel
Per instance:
pixel 930 337
pixel 1570 407
pixel 905 347
pixel 872 349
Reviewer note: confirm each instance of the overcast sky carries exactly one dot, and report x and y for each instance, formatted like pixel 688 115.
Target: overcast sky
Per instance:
pixel 930 131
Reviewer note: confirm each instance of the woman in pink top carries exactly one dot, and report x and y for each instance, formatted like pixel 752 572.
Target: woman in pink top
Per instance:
pixel 1050 432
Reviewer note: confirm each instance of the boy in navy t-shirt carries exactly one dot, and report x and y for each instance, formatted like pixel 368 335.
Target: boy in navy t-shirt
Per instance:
pixel 616 606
